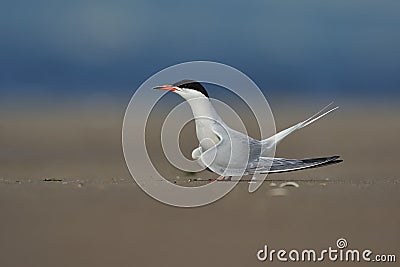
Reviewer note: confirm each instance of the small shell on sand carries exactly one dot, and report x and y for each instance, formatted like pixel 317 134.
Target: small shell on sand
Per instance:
pixel 289 184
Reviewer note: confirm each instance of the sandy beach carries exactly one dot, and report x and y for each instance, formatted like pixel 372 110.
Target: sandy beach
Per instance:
pixel 67 198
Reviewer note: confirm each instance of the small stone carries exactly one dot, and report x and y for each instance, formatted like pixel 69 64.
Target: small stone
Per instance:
pixel 52 180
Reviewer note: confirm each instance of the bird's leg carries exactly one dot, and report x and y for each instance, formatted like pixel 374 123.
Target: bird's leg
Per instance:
pixel 223 178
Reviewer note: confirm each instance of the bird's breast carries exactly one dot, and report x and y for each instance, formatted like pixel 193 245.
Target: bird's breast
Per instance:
pixel 207 138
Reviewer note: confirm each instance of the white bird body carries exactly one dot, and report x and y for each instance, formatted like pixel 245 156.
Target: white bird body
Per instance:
pixel 228 152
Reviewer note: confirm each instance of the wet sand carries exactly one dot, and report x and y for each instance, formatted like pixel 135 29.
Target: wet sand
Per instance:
pixel 90 212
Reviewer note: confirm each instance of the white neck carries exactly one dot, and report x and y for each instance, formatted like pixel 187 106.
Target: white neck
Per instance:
pixel 202 107
pixel 205 116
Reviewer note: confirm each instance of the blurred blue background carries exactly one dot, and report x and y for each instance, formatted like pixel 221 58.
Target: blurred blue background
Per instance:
pixel 342 48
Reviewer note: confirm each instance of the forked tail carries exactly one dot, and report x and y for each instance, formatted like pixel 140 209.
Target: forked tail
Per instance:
pixel 275 139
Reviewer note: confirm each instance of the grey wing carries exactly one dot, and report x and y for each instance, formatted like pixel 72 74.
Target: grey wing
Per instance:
pixel 231 155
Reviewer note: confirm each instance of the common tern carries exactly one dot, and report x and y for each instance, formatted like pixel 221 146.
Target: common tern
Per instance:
pixel 228 152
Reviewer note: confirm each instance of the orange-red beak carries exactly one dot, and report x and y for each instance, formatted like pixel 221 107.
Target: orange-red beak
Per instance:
pixel 165 87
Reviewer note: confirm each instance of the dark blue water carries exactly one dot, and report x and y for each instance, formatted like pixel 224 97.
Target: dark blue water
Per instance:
pixel 346 48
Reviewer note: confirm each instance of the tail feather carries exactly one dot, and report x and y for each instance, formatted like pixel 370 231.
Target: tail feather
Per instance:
pixel 275 139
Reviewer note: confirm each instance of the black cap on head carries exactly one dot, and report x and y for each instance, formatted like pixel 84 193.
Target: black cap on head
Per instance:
pixel 191 84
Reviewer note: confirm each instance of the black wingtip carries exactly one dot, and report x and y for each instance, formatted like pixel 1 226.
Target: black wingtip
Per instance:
pixel 330 161
pixel 322 159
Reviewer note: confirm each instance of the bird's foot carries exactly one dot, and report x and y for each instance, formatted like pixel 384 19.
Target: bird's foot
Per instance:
pixel 223 178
